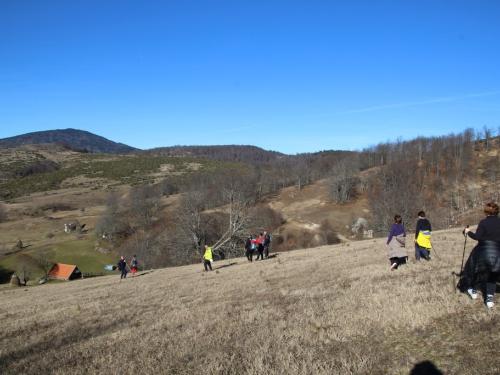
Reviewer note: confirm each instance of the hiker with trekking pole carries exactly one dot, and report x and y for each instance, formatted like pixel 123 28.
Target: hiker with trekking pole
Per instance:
pixel 483 264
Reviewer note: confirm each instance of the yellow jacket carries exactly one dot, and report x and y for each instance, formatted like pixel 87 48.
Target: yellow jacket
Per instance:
pixel 208 253
pixel 424 239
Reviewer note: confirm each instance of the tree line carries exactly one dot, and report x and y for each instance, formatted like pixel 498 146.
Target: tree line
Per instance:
pixel 435 174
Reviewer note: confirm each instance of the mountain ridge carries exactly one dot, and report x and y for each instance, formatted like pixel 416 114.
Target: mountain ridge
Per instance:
pixel 77 138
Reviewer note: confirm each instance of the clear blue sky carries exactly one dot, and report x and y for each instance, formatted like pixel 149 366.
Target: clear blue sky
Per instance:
pixel 290 76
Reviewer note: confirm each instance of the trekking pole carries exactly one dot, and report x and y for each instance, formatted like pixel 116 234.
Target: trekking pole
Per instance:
pixel 433 248
pixel 463 257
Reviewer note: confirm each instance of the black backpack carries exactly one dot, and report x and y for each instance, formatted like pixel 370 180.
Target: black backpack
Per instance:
pixel 120 265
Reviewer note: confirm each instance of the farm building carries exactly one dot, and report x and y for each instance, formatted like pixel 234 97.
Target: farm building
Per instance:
pixel 61 271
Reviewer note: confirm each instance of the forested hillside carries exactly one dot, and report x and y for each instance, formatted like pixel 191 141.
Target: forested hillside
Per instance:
pixel 164 204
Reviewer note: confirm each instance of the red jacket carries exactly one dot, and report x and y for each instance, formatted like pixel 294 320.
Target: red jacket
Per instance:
pixel 260 241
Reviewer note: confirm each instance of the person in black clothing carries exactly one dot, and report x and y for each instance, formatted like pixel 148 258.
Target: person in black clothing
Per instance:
pixel 122 266
pixel 484 261
pixel 267 242
pixel 260 247
pixel 248 248
pixel 422 225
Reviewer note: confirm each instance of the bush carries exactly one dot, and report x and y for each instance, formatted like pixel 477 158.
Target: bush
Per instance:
pixel 37 168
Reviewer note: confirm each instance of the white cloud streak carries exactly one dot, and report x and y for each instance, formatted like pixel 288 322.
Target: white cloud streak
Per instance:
pixel 431 101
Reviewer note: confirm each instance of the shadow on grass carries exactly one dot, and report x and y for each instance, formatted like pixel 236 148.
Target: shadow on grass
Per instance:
pixel 425 368
pixel 226 265
pixel 142 273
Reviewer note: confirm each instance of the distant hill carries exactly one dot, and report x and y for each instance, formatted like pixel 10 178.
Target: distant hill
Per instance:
pixel 231 153
pixel 73 137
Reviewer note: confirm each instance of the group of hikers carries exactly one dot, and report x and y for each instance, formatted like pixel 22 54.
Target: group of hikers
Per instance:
pixel 261 244
pixel 483 264
pixel 396 241
pixel 122 266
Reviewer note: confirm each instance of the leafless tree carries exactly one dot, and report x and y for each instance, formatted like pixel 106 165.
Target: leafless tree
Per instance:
pixel 44 259
pixel 145 205
pixel 236 195
pixel 112 204
pixel 26 265
pixel 300 173
pixel 191 221
pixel 344 180
pixel 488 134
pixel 143 244
pixel 393 191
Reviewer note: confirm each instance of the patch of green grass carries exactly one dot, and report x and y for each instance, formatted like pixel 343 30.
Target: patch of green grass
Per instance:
pixel 83 255
pixel 79 253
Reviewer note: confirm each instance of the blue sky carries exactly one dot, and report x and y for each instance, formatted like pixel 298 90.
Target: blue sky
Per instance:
pixel 290 76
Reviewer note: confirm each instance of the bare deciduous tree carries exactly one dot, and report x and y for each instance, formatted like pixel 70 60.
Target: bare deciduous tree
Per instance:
pixel 44 259
pixel 145 205
pixel 344 180
pixel 191 221
pixel 393 191
pixel 26 265
pixel 236 195
pixel 488 134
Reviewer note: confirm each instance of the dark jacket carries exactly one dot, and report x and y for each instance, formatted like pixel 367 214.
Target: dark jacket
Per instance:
pixel 488 229
pixel 122 265
pixel 267 239
pixel 485 257
pixel 248 244
pixel 422 224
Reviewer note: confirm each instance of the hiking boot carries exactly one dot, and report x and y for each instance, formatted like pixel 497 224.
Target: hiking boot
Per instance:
pixel 394 266
pixel 489 300
pixel 472 293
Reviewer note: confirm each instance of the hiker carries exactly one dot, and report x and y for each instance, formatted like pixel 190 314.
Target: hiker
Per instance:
pixel 133 265
pixel 122 266
pixel 396 244
pixel 260 247
pixel 267 242
pixel 422 238
pixel 208 258
pixel 253 244
pixel 483 264
pixel 248 248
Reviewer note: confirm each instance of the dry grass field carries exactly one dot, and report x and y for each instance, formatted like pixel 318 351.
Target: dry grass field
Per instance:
pixel 329 310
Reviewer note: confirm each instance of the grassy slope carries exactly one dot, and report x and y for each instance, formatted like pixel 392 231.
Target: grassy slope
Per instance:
pixel 330 310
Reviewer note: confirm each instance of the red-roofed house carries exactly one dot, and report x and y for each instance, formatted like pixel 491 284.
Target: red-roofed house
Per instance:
pixel 61 271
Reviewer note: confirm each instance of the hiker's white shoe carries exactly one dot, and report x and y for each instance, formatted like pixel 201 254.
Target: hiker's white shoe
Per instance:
pixel 489 301
pixel 394 266
pixel 472 293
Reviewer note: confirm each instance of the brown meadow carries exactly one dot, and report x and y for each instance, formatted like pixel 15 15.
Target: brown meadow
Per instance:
pixel 328 310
